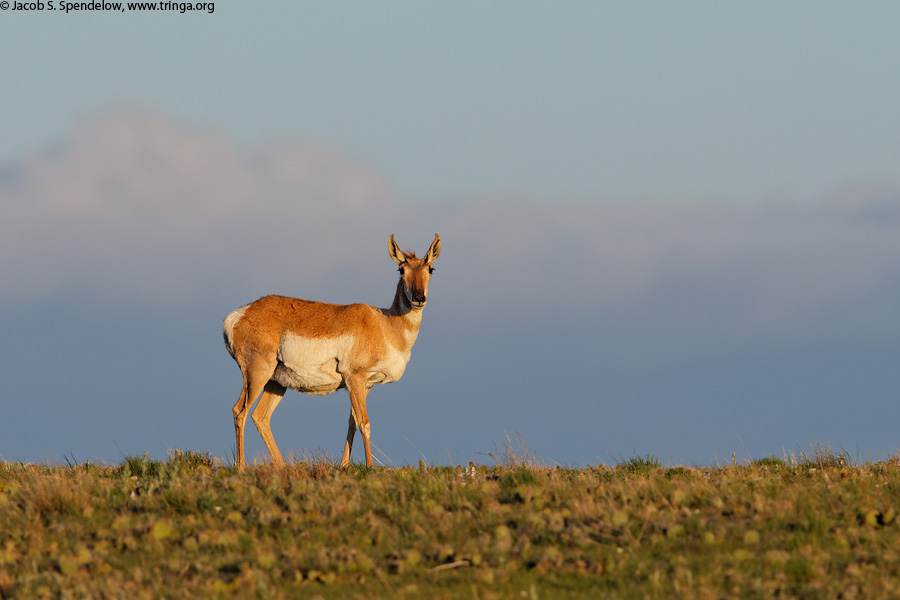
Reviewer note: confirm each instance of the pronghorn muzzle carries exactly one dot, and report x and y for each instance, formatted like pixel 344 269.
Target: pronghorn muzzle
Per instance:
pixel 416 296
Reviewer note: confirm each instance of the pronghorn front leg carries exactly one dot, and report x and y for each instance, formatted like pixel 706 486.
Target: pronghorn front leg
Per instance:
pixel 359 418
pixel 348 445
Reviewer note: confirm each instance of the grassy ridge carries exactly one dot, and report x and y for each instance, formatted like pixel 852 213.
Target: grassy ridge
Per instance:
pixel 818 527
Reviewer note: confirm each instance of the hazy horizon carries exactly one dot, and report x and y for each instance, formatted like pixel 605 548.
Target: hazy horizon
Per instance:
pixel 671 231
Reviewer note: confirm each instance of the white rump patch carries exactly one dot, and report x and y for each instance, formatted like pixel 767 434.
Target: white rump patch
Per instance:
pixel 228 327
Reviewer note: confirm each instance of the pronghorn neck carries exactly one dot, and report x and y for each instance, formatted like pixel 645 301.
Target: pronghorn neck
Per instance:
pixel 402 308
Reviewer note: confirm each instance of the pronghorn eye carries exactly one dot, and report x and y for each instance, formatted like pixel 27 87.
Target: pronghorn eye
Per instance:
pixel 400 270
pixel 430 269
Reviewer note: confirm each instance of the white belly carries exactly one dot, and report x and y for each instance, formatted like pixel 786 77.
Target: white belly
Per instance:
pixel 311 365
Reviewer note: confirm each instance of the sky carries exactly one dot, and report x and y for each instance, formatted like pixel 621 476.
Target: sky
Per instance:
pixel 667 229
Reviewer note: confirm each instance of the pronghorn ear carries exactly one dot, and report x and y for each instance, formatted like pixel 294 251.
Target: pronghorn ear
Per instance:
pixel 395 252
pixel 434 251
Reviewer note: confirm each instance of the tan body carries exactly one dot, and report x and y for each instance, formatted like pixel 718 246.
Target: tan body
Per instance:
pixel 318 348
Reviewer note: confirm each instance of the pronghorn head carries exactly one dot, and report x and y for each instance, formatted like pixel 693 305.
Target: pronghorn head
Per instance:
pixel 415 272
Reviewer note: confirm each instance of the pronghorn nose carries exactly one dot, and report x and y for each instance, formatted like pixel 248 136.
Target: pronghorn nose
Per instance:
pixel 418 297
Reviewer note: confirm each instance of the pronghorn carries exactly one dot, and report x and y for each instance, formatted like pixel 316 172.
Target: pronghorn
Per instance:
pixel 318 348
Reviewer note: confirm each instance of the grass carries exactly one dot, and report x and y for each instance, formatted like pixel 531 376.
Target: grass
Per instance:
pixel 816 525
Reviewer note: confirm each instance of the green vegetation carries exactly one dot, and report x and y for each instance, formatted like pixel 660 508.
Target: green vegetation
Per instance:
pixel 817 526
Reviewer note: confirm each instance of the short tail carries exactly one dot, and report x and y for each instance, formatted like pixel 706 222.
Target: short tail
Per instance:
pixel 228 329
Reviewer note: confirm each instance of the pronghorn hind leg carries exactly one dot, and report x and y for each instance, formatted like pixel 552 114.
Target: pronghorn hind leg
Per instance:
pixel 240 419
pixel 254 382
pixel 262 414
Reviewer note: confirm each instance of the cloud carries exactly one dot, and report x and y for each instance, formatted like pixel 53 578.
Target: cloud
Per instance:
pixel 737 267
pixel 134 207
